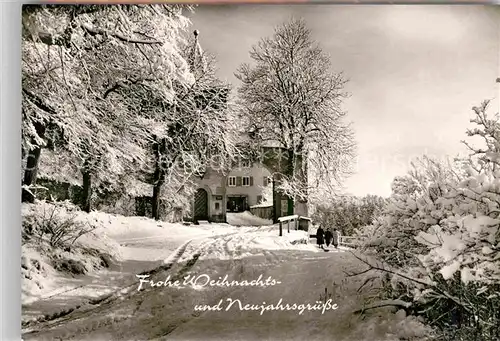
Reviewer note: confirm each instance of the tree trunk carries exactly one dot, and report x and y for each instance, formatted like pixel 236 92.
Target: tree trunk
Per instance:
pixel 158 178
pixel 87 191
pixel 290 174
pixel 276 201
pixel 31 170
pixel 30 173
pixel 158 183
pixel 305 180
pixel 290 207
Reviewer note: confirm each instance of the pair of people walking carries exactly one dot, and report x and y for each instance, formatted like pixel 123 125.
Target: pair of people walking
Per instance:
pixel 327 236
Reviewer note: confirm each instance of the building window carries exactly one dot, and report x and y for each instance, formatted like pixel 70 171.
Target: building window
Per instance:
pixel 232 181
pixel 246 181
pixel 217 206
pixel 267 181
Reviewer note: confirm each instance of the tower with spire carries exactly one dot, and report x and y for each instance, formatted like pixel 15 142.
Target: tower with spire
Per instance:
pixel 196 58
pixel 215 95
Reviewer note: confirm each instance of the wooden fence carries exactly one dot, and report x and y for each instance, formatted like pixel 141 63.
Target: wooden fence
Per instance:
pixel 264 212
pixel 348 241
pixel 293 222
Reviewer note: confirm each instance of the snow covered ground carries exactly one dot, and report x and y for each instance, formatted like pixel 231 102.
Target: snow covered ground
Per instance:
pixel 143 244
pixel 140 245
pixel 252 241
pixel 246 219
pixel 305 274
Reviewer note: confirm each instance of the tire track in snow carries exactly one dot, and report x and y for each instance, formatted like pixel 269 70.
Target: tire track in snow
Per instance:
pixel 179 273
pixel 169 262
pixel 207 244
pixel 107 320
pixel 119 293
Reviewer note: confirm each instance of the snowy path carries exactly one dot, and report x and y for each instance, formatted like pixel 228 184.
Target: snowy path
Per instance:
pixel 143 252
pixel 167 313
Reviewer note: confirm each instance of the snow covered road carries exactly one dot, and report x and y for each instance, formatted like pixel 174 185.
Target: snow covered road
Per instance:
pixel 139 254
pixel 167 312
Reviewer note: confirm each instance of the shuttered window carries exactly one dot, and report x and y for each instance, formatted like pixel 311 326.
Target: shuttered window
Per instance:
pixel 246 181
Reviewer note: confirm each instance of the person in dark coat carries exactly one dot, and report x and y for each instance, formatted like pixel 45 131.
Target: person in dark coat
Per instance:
pixel 328 236
pixel 320 235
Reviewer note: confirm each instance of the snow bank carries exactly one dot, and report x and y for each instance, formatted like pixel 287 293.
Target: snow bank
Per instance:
pixel 45 257
pixel 36 272
pixel 125 229
pixel 134 244
pixel 248 242
pixel 246 219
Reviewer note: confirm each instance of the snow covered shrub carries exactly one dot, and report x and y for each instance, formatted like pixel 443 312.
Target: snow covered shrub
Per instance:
pixel 413 206
pixel 439 239
pixel 56 223
pixel 349 213
pixel 58 236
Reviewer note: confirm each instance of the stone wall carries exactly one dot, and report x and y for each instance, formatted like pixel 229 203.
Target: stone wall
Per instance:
pixel 58 191
pixel 110 202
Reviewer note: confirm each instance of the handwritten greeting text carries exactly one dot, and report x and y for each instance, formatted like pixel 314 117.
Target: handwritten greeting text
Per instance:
pixel 205 280
pixel 263 307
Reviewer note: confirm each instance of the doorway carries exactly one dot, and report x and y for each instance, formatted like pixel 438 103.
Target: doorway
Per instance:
pixel 201 205
pixel 237 204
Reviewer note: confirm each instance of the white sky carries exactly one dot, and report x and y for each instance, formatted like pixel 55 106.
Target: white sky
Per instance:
pixel 415 71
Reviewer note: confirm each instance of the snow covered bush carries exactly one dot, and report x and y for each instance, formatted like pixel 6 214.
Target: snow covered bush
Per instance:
pixel 56 224
pixel 63 236
pixel 438 240
pixel 349 213
pixel 412 206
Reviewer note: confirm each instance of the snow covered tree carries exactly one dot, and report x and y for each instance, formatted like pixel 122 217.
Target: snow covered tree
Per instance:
pixel 195 128
pixel 487 130
pixel 291 97
pixel 203 127
pixel 350 213
pixel 440 240
pixel 73 64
